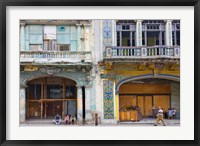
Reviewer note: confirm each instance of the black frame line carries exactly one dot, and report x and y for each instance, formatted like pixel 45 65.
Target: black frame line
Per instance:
pixel 5 3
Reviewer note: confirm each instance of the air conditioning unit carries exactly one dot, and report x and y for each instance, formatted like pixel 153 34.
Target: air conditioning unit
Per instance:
pixel 65 47
pixel 82 39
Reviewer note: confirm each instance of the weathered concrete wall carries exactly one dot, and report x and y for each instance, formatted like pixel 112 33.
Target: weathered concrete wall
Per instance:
pixel 88 103
pixel 98 86
pixel 22 103
pixel 175 97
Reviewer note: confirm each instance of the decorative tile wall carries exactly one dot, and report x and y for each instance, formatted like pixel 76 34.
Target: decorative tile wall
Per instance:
pixel 107 33
pixel 108 99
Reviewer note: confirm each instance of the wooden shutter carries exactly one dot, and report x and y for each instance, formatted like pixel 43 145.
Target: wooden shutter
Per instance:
pixel 35 34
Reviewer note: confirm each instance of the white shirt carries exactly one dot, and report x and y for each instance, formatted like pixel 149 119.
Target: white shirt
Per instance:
pixel 160 112
pixel 173 112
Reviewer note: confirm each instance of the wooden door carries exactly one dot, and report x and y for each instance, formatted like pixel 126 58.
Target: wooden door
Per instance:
pixel 163 101
pixel 145 104
pixel 127 101
pixel 148 105
pixel 141 104
pixel 50 110
pixel 58 108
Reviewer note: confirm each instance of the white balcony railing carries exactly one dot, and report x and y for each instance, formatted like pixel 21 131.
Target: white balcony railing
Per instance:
pixel 142 52
pixel 57 56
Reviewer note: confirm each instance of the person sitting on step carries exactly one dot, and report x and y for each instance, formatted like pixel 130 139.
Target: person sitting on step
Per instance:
pixel 66 119
pixel 73 119
pixel 57 119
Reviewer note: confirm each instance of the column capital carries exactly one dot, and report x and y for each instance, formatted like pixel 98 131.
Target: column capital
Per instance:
pixel 88 86
pixel 79 86
pixel 79 24
pixel 22 23
pixel 138 20
pixel 86 25
pixel 168 20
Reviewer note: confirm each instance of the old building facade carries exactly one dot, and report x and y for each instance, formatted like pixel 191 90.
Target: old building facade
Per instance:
pixel 140 67
pixel 56 64
pixel 83 67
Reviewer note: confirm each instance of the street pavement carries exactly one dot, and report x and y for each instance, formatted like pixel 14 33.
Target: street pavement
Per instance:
pixel 144 122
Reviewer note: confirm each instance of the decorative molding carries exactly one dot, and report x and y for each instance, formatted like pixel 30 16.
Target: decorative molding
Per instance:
pixel 146 76
pixel 50 70
pixel 30 68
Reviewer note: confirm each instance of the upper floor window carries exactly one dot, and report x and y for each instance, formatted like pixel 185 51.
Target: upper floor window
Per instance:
pixel 51 38
pixel 125 32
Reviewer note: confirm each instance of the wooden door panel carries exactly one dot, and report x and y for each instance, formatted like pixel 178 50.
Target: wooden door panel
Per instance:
pixel 163 101
pixel 126 101
pixel 141 104
pixel 148 106
pixel 50 110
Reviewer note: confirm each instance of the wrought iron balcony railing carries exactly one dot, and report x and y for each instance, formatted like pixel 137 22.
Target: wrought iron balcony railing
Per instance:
pixel 56 56
pixel 142 52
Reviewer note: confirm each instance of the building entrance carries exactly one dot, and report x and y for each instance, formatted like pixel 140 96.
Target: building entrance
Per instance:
pixel 48 96
pixel 143 98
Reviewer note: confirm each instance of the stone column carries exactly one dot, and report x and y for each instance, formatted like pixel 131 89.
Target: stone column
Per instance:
pixel 88 98
pixel 27 38
pixel 145 38
pixel 79 104
pixel 168 33
pixel 138 32
pixel 22 36
pixel 120 40
pixel 114 33
pixel 22 105
pixel 117 106
pixel 160 38
pixel 131 38
pixel 87 37
pixel 79 37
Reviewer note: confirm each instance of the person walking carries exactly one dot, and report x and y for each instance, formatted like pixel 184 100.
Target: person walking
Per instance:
pixel 160 117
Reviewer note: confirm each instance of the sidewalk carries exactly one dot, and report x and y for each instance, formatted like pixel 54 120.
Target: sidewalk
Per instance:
pixel 144 122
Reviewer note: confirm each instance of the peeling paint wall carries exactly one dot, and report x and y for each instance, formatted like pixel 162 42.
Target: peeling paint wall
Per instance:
pixel 175 97
pixel 22 105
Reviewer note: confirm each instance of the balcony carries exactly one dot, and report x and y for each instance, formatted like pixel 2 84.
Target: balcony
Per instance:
pixel 55 57
pixel 143 52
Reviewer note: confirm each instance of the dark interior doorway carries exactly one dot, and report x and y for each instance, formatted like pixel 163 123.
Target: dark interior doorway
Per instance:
pixel 83 91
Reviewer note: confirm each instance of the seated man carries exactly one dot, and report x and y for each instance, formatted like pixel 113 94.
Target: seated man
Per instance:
pixel 57 119
pixel 73 119
pixel 66 119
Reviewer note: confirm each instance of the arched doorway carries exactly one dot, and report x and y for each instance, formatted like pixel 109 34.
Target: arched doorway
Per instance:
pixel 147 95
pixel 48 96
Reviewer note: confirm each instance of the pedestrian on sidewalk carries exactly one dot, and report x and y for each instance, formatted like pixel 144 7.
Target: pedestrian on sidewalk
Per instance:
pixel 173 113
pixel 160 117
